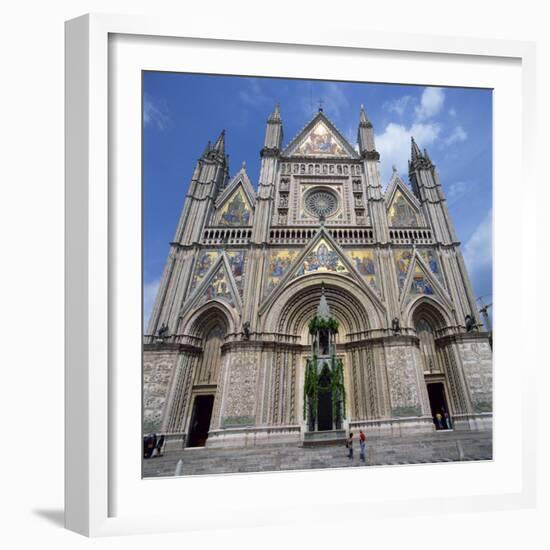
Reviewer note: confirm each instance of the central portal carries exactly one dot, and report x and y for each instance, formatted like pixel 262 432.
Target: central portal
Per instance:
pixel 324 396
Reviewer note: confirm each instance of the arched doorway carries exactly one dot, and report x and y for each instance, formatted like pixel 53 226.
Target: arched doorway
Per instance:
pixel 427 322
pixel 211 328
pixel 358 313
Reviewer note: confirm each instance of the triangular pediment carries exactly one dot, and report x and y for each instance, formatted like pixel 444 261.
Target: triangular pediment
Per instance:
pixel 217 284
pixel 422 282
pixel 235 205
pixel 402 206
pixel 320 139
pixel 321 255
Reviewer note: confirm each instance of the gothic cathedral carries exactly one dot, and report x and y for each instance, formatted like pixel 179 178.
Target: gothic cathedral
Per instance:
pixel 315 304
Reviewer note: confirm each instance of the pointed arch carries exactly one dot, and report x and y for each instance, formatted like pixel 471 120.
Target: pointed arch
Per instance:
pixel 349 301
pixel 197 322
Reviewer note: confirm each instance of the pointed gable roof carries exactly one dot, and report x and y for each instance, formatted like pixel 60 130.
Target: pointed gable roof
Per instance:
pixel 421 281
pixel 397 183
pixel 240 178
pixel 320 138
pixel 218 284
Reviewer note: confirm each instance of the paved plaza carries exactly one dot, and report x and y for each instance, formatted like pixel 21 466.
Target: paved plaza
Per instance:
pixel 442 446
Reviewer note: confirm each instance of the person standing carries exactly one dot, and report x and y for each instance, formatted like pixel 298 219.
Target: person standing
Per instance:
pixel 362 445
pixel 439 420
pixel 349 445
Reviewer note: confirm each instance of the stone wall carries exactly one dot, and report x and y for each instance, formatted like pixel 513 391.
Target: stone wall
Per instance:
pixel 478 369
pixel 403 382
pixel 158 367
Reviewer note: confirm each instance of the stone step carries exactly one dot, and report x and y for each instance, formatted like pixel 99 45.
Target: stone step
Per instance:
pixel 381 451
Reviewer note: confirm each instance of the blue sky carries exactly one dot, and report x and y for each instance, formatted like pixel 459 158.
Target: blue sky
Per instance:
pixel 182 112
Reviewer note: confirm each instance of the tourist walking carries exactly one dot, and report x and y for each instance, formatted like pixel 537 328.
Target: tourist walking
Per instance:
pixel 349 445
pixel 362 445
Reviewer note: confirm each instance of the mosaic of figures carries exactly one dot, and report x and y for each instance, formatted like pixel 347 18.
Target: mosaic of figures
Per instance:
pixel 402 261
pixel 320 142
pixel 430 257
pixel 364 262
pixel 279 262
pixel 236 211
pixel 401 213
pixel 420 284
pixel 219 288
pixel 322 258
pixel 207 259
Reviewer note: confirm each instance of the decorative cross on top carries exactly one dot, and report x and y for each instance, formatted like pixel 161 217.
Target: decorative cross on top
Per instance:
pixel 320 104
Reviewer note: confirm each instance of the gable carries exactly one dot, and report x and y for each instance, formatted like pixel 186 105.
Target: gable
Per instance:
pixel 321 258
pixel 218 288
pixel 420 283
pixel 401 212
pixel 236 210
pixel 320 138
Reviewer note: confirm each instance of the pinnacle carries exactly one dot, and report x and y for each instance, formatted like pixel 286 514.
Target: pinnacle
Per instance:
pixel 275 116
pixel 219 146
pixel 415 150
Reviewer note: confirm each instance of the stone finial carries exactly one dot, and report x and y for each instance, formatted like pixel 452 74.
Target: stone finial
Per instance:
pixel 323 310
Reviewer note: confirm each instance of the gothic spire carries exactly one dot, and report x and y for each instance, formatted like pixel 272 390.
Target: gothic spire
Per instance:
pixel 363 120
pixel 416 154
pixel 275 116
pixel 219 146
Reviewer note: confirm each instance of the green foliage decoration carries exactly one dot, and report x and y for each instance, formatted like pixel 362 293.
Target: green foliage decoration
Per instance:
pixel 311 386
pixel 318 323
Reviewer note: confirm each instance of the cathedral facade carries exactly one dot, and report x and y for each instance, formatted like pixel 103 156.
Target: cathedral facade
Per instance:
pixel 230 338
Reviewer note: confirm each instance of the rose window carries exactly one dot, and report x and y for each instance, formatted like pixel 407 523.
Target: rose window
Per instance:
pixel 321 203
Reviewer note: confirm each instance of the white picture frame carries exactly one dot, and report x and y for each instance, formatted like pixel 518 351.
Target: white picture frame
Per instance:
pixel 104 495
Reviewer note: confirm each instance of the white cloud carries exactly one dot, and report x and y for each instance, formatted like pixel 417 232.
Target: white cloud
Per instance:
pixel 253 95
pixel 398 106
pixel 456 191
pixel 458 135
pixel 478 254
pixel 154 114
pixel 431 103
pixel 394 145
pixel 150 290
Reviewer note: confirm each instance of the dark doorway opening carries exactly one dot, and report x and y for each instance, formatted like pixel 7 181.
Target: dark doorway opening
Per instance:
pixel 324 401
pixel 438 404
pixel 200 420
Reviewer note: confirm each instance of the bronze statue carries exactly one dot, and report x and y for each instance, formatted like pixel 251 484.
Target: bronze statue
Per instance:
pixel 395 325
pixel 163 331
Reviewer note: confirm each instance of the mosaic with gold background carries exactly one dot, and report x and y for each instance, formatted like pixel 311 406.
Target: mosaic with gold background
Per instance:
pixel 320 142
pixel 322 258
pixel 401 213
pixel 364 262
pixel 236 210
pixel 280 261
